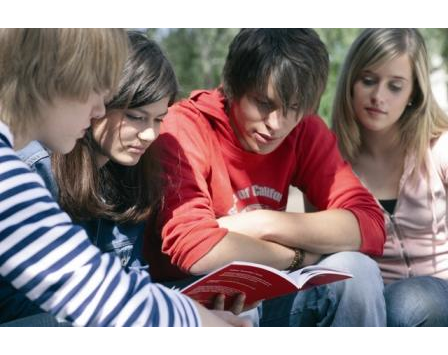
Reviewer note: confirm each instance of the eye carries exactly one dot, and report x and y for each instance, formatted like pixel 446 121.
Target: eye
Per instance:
pixel 262 102
pixel 159 119
pixel 134 117
pixel 263 105
pixel 395 86
pixel 368 80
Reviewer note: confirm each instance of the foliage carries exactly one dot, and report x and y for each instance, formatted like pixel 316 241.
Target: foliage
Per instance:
pixel 198 55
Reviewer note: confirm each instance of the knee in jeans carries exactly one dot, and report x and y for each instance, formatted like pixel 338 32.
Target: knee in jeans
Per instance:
pixel 366 286
pixel 410 302
pixel 357 264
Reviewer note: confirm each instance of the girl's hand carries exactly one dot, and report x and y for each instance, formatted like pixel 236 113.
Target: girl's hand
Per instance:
pixel 232 319
pixel 237 305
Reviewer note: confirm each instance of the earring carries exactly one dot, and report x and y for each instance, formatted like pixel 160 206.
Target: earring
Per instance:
pixel 410 103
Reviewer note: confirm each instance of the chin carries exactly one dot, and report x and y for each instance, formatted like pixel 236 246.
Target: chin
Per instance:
pixel 266 151
pixel 374 128
pixel 62 149
pixel 127 162
pixel 261 151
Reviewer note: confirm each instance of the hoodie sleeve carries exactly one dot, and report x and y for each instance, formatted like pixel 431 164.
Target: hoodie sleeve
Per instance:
pixel 189 226
pixel 329 183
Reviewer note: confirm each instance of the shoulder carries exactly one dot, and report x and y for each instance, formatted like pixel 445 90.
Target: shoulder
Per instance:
pixel 200 105
pixel 189 120
pixel 38 158
pixel 438 153
pixel 6 138
pixel 313 125
pixel 184 116
pixel 440 144
pixel 439 149
pixel 312 130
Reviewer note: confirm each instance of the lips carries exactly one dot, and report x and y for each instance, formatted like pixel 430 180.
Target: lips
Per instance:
pixel 264 138
pixel 375 111
pixel 137 149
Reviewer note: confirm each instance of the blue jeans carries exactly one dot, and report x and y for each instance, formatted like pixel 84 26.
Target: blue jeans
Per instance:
pixel 354 302
pixel 417 301
pixel 37 320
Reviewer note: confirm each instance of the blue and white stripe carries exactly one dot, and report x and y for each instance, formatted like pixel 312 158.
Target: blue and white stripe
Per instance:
pixel 53 262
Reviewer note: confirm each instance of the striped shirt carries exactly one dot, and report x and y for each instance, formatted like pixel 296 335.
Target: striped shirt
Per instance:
pixel 51 260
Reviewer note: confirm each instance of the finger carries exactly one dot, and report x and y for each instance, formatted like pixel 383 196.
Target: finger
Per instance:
pixel 219 302
pixel 238 303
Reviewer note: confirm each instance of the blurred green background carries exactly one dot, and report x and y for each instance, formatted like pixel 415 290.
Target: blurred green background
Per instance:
pixel 198 55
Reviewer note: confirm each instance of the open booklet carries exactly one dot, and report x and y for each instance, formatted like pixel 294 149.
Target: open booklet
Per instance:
pixel 258 282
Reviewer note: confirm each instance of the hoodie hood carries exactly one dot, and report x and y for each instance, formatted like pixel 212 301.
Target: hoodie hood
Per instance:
pixel 212 104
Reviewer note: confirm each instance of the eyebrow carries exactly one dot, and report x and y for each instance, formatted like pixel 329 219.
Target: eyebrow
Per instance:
pixel 394 76
pixel 264 97
pixel 140 110
pixel 146 113
pixel 162 114
pixel 400 77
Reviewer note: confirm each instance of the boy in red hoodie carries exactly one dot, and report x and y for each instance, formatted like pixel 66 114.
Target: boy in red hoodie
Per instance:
pixel 237 149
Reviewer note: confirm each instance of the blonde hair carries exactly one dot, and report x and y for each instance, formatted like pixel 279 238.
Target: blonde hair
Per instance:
pixel 422 121
pixel 39 65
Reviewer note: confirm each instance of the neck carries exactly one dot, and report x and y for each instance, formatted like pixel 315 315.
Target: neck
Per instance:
pixel 380 144
pixel 235 128
pixel 21 140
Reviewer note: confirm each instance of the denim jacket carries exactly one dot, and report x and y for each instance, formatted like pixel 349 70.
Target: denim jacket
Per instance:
pixel 124 239
pixel 38 159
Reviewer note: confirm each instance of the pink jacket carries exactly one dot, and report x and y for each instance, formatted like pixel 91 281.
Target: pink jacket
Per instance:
pixel 417 232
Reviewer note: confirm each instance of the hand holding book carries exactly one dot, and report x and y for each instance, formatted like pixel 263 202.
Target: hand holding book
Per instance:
pixel 258 282
pixel 238 303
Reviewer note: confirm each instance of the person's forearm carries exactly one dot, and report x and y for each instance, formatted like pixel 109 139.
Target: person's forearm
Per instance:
pixel 323 232
pixel 320 232
pixel 240 247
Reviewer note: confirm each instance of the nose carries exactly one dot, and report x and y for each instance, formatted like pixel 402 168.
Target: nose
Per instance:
pixel 99 110
pixel 148 135
pixel 377 94
pixel 273 120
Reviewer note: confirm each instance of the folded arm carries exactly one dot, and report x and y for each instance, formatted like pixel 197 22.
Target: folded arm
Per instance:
pixel 236 246
pixel 322 232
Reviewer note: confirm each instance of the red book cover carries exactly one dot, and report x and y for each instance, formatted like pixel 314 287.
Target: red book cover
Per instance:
pixel 258 282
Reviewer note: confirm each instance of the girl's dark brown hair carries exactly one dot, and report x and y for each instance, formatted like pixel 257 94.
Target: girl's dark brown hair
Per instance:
pixel 116 192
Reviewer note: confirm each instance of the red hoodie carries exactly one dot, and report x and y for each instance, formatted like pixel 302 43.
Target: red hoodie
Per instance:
pixel 209 175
